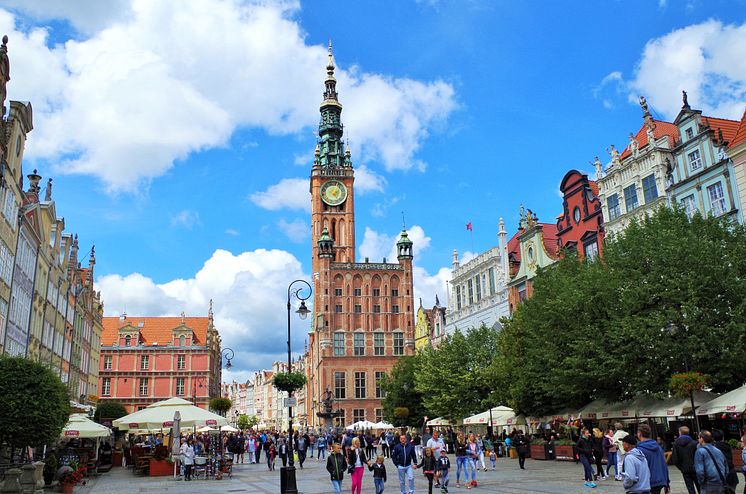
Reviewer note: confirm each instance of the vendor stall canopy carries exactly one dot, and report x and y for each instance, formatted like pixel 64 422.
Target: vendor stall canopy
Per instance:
pixel 161 415
pixel 80 426
pixel 731 402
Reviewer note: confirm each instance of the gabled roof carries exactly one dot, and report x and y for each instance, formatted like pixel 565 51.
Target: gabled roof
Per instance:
pixel 741 133
pixel 549 237
pixel 661 129
pixel 155 329
pixel 729 127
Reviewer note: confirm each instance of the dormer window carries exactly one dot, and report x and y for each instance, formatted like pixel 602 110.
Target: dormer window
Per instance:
pixel 182 340
pixel 128 340
pixel 689 134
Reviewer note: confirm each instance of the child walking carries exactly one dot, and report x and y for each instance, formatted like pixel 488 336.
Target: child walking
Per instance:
pixel 493 459
pixel 428 465
pixel 444 465
pixel 271 454
pixel 379 474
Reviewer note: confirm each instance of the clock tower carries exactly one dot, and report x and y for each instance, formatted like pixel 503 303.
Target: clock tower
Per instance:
pixel 363 312
pixel 332 179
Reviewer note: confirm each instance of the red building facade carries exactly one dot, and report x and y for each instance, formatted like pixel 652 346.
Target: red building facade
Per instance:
pixel 580 226
pixel 149 359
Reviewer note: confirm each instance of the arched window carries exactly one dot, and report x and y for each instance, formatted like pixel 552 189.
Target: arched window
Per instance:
pixel 182 340
pixel 127 340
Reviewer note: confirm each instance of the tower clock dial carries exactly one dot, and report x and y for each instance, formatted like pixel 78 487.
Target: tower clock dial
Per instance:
pixel 333 192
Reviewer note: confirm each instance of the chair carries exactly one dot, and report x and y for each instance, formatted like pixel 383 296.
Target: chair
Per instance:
pixel 199 467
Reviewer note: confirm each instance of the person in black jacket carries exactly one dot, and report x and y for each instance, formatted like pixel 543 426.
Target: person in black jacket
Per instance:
pixel 429 467
pixel 683 457
pixel 379 474
pixel 336 465
pixel 597 443
pixel 521 447
pixel 731 477
pixel 585 452
pixel 444 465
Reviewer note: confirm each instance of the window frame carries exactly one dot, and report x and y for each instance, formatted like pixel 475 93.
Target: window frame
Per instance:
pixel 646 187
pixel 361 384
pixel 379 350
pixel 339 344
pixel 694 160
pixel 718 200
pixel 398 338
pixel 631 199
pixel 358 344
pixel 340 385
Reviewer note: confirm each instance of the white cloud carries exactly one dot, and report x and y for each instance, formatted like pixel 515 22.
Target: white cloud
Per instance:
pixel 367 180
pixel 705 59
pixel 249 291
pixel 289 193
pixel 232 232
pixel 186 218
pixel 297 230
pixel 86 16
pixel 157 81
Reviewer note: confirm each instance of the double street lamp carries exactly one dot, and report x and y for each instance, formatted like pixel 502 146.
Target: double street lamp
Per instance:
pixel 287 474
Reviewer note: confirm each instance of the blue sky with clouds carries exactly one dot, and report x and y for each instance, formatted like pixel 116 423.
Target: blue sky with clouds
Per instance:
pixel 180 134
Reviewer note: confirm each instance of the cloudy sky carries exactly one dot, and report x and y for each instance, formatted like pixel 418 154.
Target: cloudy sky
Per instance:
pixel 180 134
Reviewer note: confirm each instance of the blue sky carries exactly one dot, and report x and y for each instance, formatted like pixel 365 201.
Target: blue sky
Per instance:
pixel 180 138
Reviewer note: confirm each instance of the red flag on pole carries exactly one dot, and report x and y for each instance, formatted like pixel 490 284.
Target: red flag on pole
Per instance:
pixel 468 226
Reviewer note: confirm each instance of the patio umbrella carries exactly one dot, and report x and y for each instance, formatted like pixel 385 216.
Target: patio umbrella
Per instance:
pixel 730 402
pixel 228 428
pixel 206 428
pixel 382 425
pixel 161 414
pixel 79 425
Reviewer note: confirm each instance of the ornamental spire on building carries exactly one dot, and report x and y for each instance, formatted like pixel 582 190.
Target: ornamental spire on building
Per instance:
pixel 331 148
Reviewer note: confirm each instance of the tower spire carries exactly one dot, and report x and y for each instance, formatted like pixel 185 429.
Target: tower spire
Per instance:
pixel 331 147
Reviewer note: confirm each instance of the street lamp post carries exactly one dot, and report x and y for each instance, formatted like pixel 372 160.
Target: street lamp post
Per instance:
pixel 228 355
pixel 287 474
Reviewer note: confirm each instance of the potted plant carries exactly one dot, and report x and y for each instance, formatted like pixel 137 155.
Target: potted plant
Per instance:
pixel 70 478
pixel 50 468
pixel 539 449
pixel 564 449
pixel 737 454
pixel 289 381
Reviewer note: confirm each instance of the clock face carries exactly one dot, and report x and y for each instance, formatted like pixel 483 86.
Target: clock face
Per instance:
pixel 333 192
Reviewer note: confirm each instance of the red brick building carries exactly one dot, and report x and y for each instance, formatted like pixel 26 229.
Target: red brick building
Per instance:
pixel 149 359
pixel 363 311
pixel 580 226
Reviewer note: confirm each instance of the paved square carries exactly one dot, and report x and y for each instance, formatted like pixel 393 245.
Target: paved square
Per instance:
pixel 539 477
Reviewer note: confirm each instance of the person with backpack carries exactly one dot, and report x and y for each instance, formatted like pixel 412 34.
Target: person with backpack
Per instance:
pixel 710 465
pixel 731 478
pixel 336 465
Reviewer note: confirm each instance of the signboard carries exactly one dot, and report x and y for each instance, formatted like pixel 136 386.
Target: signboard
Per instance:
pixel 670 413
pixel 134 425
pixel 211 422
pixel 169 423
pixel 72 433
pixel 290 402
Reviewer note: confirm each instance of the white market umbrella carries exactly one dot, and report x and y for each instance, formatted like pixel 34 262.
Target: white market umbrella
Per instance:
pixel 161 414
pixel 382 425
pixel 439 421
pixel 206 428
pixel 363 424
pixel 79 425
pixel 731 402
pixel 499 415
pixel 228 428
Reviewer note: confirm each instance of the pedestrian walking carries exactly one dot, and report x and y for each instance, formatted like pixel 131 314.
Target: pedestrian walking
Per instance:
pixel 731 477
pixel 336 465
pixel 444 466
pixel 251 447
pixel 619 434
pixel 356 461
pixel 656 460
pixel 312 440
pixel 682 456
pixel 436 444
pixel 710 465
pixel 428 466
pixel 610 449
pixel 271 455
pixel 187 456
pixel 461 459
pixel 405 459
pixel 321 447
pixel 521 447
pixel 417 441
pixel 480 443
pixel 597 442
pixel 585 454
pixel 635 470
pixel 282 451
pixel 384 444
pixel 379 474
pixel 473 453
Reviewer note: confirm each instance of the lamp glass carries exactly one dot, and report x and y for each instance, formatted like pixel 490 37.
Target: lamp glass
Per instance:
pixel 302 311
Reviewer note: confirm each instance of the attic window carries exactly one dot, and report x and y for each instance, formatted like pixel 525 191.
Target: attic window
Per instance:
pixel 689 134
pixel 127 340
pixel 141 324
pixel 182 340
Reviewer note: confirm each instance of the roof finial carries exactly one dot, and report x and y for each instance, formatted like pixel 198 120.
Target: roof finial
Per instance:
pixel 403 222
pixel 330 65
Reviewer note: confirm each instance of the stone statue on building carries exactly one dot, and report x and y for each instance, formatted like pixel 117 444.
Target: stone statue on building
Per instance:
pixel 48 191
pixel 633 144
pixel 669 172
pixel 649 131
pixel 685 99
pixel 328 401
pixel 644 105
pixel 4 73
pixel 522 223
pixel 614 154
pixel 598 166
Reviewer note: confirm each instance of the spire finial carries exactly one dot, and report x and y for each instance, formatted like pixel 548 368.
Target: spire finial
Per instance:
pixel 403 222
pixel 330 65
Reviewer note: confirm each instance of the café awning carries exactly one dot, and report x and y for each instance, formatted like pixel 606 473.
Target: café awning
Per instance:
pixel 730 402
pixel 161 415
pixel 79 425
pixel 498 415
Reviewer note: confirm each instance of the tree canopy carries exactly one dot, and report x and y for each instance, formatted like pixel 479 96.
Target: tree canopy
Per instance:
pixel 109 409
pixel 220 405
pixel 668 296
pixel 402 404
pixel 35 406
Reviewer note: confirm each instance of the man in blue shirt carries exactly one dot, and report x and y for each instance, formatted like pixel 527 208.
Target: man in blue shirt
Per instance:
pixel 710 465
pixel 405 459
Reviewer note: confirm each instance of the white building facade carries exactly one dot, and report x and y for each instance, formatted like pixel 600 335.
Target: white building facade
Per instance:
pixel 477 292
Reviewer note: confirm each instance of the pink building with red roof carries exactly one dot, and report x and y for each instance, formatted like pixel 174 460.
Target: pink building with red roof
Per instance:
pixel 580 226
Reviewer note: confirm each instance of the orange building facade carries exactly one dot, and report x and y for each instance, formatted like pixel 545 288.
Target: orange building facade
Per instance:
pixel 580 226
pixel 363 311
pixel 149 359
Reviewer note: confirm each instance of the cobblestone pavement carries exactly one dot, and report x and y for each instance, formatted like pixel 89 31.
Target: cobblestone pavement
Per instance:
pixel 539 477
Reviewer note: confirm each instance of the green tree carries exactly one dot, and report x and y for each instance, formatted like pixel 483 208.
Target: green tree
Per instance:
pixel 109 409
pixel 456 379
pixel 220 405
pixel 668 295
pixel 35 405
pixel 402 404
pixel 253 421
pixel 243 422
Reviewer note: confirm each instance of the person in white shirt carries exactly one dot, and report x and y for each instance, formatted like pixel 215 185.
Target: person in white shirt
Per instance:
pixel 619 434
pixel 187 455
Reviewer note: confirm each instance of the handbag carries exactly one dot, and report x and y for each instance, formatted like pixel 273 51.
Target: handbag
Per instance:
pixel 727 489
